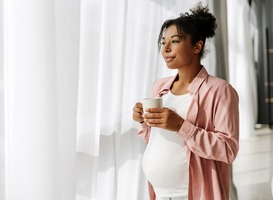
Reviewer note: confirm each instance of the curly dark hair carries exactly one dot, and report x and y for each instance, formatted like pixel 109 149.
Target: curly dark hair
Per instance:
pixel 200 24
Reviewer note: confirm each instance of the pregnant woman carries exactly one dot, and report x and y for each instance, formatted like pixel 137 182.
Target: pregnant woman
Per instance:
pixel 194 138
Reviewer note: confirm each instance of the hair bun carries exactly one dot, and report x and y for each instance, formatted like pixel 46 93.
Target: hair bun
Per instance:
pixel 205 21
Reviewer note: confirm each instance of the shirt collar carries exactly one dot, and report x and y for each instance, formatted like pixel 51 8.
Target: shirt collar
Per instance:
pixel 193 87
pixel 198 80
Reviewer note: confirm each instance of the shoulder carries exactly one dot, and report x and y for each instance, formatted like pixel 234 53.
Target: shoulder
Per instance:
pixel 162 81
pixel 162 84
pixel 216 82
pixel 219 86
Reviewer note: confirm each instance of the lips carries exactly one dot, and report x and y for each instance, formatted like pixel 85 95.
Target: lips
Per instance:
pixel 169 58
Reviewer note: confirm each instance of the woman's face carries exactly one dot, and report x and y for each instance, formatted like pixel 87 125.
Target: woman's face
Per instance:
pixel 177 53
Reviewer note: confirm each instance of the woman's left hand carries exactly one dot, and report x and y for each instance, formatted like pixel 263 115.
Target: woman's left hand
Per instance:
pixel 163 118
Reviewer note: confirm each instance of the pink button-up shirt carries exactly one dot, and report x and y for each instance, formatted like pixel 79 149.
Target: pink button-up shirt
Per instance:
pixel 210 132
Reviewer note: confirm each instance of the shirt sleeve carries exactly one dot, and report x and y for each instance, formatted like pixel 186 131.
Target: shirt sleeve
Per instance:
pixel 221 141
pixel 144 132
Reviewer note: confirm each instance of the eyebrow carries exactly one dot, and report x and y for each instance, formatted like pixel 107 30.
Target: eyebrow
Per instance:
pixel 172 36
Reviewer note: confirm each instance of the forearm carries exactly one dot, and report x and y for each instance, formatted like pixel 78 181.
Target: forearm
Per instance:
pixel 221 146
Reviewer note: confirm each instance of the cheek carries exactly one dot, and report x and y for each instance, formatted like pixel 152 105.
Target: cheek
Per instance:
pixel 184 56
pixel 161 51
pixel 185 52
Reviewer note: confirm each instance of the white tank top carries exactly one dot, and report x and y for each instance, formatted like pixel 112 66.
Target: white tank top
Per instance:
pixel 164 162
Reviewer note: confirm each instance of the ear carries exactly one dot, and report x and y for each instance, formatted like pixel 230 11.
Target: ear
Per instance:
pixel 198 46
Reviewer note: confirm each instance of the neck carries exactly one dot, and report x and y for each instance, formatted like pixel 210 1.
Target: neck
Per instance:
pixel 186 76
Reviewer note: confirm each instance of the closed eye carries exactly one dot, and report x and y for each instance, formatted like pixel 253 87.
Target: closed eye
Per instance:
pixel 175 41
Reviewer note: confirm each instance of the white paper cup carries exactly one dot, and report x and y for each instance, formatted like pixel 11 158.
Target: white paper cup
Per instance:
pixel 156 102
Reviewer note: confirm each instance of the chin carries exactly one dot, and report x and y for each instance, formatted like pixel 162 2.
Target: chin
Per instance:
pixel 171 67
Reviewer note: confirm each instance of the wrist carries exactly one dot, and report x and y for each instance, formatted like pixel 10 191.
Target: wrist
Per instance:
pixel 179 125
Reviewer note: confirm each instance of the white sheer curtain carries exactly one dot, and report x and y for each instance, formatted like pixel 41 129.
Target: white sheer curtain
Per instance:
pixel 70 74
pixel 242 62
pixel 40 65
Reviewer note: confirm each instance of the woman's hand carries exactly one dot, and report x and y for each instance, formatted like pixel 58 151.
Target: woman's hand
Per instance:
pixel 163 118
pixel 138 112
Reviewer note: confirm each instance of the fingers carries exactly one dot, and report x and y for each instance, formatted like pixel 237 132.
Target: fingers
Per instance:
pixel 154 117
pixel 138 107
pixel 155 110
pixel 158 117
pixel 154 122
pixel 138 112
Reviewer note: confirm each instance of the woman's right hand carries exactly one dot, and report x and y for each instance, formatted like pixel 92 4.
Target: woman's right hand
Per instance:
pixel 138 112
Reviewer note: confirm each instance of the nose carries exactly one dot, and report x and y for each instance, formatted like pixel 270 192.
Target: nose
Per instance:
pixel 166 48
